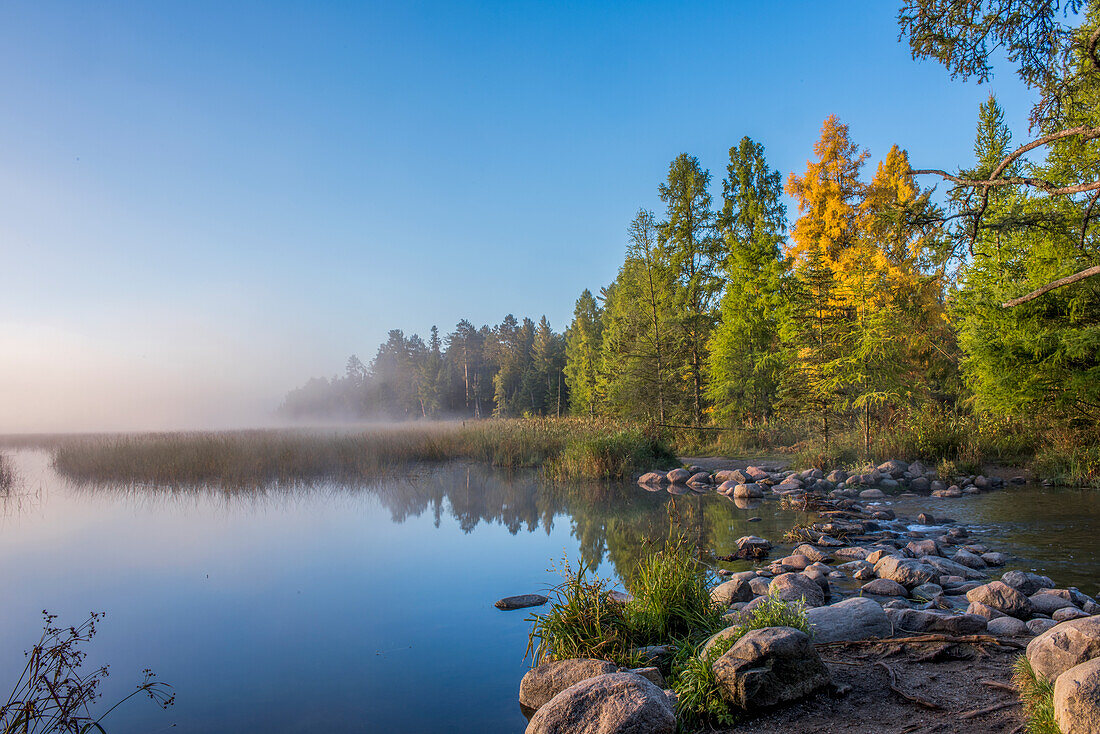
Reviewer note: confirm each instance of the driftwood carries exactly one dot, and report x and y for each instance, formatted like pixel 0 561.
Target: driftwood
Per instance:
pixel 925 640
pixel 1003 686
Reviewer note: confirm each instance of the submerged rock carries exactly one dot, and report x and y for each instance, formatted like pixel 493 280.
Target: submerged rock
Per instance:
pixel 521 601
pixel 770 666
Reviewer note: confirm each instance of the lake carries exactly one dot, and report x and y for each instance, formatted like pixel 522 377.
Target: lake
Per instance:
pixel 371 608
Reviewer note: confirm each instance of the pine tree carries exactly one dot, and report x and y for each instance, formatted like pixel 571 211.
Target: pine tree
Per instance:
pixel 694 253
pixel 743 364
pixel 582 355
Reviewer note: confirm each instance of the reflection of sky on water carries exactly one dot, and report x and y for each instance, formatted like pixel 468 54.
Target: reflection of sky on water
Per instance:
pixel 349 609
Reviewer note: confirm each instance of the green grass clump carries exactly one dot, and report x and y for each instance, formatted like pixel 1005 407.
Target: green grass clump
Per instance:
pixel 583 622
pixel 672 597
pixel 700 703
pixel 1037 696
pixel 610 456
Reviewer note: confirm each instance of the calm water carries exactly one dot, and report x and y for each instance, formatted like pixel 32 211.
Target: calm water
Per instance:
pixel 370 609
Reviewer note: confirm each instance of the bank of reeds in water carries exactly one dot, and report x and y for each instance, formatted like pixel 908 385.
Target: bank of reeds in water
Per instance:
pixel 574 448
pixel 7 474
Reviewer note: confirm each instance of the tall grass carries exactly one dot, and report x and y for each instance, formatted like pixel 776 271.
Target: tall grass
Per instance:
pixel 1037 696
pixel 671 593
pixel 595 449
pixel 7 474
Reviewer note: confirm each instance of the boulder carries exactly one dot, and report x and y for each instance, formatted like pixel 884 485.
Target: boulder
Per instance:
pixel 614 703
pixel 948 567
pixel 1027 583
pixel 907 572
pixel 652 478
pixel 1039 625
pixel 653 675
pixel 1003 598
pixel 983 611
pixel 770 666
pixel 522 601
pixel 1077 698
pixel 927 591
pixel 737 589
pixel 796 561
pixel 760 585
pixel 857 618
pixel 1067 613
pixel 920 620
pixel 918 548
pixel 756 474
pixel 736 476
pixel 884 587
pixel 548 679
pixel 1064 645
pixel 748 491
pixel 893 467
pixel 851 553
pixel 995 559
pixel 816 555
pixel 795 586
pixel 678 476
pixel 1043 602
pixel 1006 627
pixel 872 494
pixel 701 479
pixel 968 559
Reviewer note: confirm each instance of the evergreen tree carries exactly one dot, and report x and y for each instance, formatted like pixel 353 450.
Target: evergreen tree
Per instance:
pixel 584 339
pixel 694 253
pixel 743 362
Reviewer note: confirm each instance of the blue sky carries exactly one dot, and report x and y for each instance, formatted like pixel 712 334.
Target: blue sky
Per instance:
pixel 203 204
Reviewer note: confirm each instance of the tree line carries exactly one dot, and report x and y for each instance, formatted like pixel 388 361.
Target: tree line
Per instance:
pixel 512 369
pixel 877 297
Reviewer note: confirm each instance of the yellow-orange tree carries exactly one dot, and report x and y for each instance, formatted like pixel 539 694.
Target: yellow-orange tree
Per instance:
pixel 867 286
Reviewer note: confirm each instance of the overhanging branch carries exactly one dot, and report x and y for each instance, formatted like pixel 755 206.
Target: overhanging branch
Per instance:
pixel 1086 273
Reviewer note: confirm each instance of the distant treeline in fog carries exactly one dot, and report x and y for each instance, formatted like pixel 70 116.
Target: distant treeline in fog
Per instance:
pixel 512 369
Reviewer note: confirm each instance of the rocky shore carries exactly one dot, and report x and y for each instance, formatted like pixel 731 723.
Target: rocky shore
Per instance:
pixel 884 594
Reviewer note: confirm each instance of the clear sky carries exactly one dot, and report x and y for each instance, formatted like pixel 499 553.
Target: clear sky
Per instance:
pixel 202 204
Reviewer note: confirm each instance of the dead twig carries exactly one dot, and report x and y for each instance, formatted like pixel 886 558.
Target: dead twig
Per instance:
pixel 988 710
pixel 907 696
pixel 1003 686
pixel 918 639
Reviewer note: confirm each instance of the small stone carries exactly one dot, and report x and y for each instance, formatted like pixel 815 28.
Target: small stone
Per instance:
pixel 884 587
pixel 1006 627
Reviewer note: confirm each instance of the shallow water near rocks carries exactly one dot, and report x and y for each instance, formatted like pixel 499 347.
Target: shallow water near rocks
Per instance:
pixel 371 608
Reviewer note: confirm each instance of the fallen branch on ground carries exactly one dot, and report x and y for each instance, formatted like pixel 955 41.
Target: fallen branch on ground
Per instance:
pixel 907 696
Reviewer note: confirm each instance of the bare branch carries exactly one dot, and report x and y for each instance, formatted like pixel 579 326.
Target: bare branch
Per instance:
pixel 1086 273
pixel 1038 183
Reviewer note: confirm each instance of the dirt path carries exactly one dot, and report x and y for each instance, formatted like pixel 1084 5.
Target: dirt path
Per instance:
pixel 871 706
pixel 716 463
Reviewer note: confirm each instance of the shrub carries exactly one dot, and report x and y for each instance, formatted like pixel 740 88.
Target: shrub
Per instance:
pixel 609 456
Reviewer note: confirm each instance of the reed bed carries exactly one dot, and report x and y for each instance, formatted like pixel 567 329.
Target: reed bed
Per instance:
pixel 257 458
pixel 7 474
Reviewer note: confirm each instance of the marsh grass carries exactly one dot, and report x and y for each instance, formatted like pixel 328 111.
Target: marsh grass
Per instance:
pixel 1037 696
pixel 700 703
pixel 256 458
pixel 7 474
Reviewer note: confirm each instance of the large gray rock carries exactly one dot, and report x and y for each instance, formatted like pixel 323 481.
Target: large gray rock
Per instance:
pixel 736 589
pixel 1043 602
pixel 1039 625
pixel 652 479
pixel 615 703
pixel 905 571
pixel 748 491
pixel 795 586
pixel 735 475
pixel 1003 598
pixel 678 476
pixel 968 559
pixel 1077 699
pixel 1006 627
pixel 857 618
pixel 816 555
pixel 1064 645
pixel 948 567
pixel 920 620
pixel 1027 583
pixel 770 666
pixel 546 680
pixel 884 587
